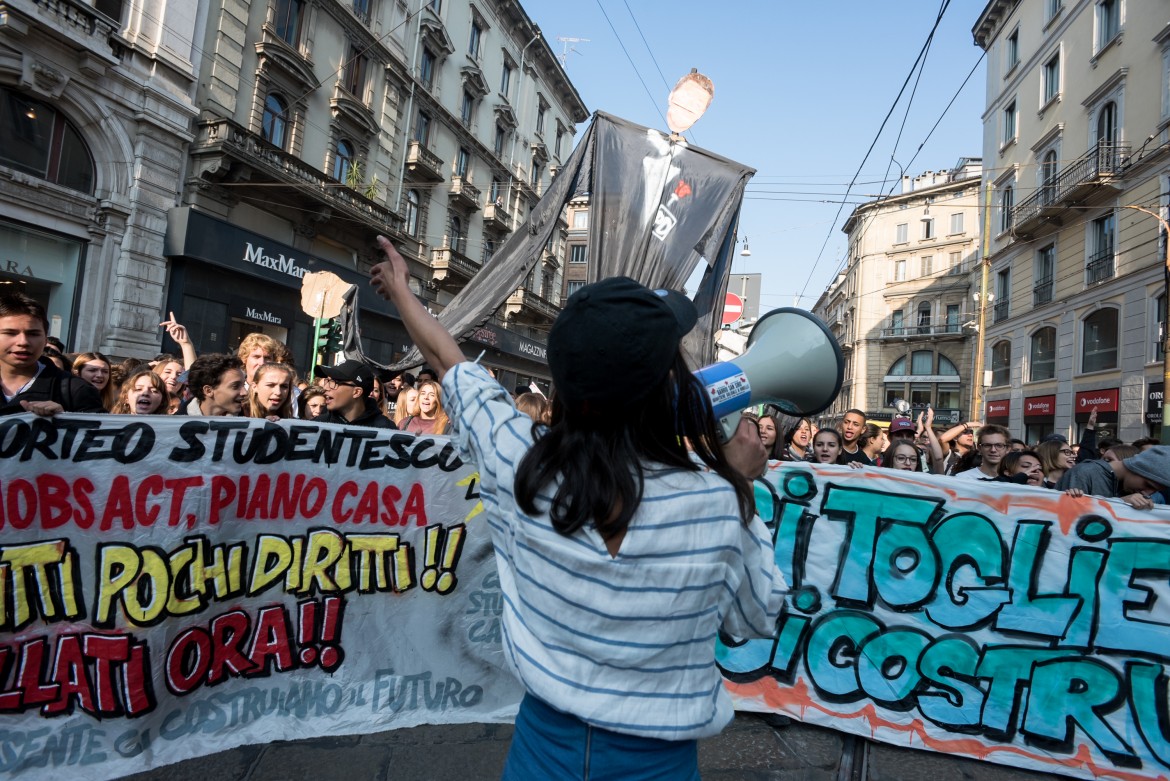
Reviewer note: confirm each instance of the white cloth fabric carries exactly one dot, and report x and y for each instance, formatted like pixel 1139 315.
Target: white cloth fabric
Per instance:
pixel 627 642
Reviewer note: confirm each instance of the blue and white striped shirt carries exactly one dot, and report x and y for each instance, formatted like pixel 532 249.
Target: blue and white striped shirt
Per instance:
pixel 627 642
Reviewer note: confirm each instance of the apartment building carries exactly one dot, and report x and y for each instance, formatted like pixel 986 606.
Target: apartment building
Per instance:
pixel 323 123
pixel 95 117
pixel 901 306
pixel 1074 137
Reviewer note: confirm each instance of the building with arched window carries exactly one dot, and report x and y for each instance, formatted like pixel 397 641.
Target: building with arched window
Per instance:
pixel 901 307
pixel 324 124
pixel 95 113
pixel 1078 278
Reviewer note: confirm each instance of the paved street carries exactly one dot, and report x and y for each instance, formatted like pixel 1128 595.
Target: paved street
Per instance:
pixel 748 750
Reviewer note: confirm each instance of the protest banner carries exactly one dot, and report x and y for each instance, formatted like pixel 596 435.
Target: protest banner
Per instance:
pixel 999 622
pixel 174 587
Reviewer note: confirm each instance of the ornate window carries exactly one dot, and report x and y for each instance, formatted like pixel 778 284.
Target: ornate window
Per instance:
pixel 274 124
pixel 287 19
pixel 36 139
pixel 1001 363
pixel 343 161
pixel 1042 362
pixel 412 212
pixel 1099 345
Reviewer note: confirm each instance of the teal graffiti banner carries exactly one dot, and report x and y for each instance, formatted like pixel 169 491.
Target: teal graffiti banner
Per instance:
pixel 1005 623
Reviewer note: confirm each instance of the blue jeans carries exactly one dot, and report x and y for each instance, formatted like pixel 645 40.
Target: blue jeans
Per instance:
pixel 549 745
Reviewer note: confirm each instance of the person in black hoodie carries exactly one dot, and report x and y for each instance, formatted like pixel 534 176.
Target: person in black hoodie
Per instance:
pixel 347 389
pixel 30 384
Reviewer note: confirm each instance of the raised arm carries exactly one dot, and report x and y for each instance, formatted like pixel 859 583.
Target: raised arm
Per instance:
pixel 937 460
pixel 956 430
pixel 391 280
pixel 178 332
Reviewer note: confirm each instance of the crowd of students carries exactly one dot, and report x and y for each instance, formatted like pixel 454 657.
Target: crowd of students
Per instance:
pixel 259 380
pixel 1138 472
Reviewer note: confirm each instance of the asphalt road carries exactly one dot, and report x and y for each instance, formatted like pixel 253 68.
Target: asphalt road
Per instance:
pixel 750 749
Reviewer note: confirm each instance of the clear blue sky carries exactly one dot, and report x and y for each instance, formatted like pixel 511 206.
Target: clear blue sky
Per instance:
pixel 800 92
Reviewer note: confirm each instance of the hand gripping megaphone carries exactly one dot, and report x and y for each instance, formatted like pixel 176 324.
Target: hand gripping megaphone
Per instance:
pixel 792 360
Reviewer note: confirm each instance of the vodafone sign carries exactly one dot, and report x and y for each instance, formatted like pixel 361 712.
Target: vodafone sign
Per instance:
pixel 998 410
pixel 1040 407
pixel 1103 400
pixel 732 309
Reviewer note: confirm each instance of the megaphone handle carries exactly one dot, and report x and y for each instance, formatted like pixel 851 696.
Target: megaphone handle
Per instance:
pixel 728 425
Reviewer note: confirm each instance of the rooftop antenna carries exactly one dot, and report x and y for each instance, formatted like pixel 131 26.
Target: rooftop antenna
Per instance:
pixel 566 49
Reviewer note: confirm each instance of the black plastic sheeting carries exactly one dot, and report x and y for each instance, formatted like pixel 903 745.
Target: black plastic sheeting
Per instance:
pixel 658 207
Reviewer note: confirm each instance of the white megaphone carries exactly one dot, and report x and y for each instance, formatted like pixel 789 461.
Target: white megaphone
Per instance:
pixel 792 360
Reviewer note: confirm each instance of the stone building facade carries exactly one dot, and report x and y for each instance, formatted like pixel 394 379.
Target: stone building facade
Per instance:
pixel 901 306
pixel 1075 135
pixel 323 123
pixel 95 116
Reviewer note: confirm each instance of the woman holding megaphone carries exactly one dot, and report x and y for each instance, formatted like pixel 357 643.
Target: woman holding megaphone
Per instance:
pixel 620 558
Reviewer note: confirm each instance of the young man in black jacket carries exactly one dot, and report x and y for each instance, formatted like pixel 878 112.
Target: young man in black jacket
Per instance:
pixel 29 384
pixel 347 396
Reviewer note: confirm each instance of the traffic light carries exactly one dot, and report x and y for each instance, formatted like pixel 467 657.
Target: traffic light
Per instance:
pixel 329 337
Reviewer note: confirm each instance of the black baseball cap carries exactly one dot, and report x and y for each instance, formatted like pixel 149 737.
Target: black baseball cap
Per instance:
pixel 355 373
pixel 615 340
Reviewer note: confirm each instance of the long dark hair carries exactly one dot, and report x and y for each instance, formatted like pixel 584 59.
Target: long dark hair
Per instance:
pixel 600 456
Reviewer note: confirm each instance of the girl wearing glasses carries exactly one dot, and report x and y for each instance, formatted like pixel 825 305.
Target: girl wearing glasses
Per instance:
pixel 1056 458
pixel 902 454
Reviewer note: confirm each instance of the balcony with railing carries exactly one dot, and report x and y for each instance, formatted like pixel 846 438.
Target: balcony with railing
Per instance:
pixel 524 305
pixel 496 217
pixel 464 193
pixel 923 328
pixel 423 163
pixel 1042 291
pixel 1000 311
pixel 1096 172
pixel 452 268
pixel 225 149
pixel 1100 266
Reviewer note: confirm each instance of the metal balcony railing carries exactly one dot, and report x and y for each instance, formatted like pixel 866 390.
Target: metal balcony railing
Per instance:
pixel 1002 309
pixel 1097 166
pixel 1100 266
pixel 933 327
pixel 223 137
pixel 1042 291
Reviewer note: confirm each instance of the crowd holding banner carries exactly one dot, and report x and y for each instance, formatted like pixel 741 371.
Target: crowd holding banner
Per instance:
pixel 175 587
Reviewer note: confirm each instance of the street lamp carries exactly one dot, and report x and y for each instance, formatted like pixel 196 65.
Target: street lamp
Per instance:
pixel 1165 331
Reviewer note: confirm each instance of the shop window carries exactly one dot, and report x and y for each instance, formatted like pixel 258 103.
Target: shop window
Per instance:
pixel 38 140
pixel 1099 343
pixel 1001 363
pixel 1042 356
pixel 274 123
